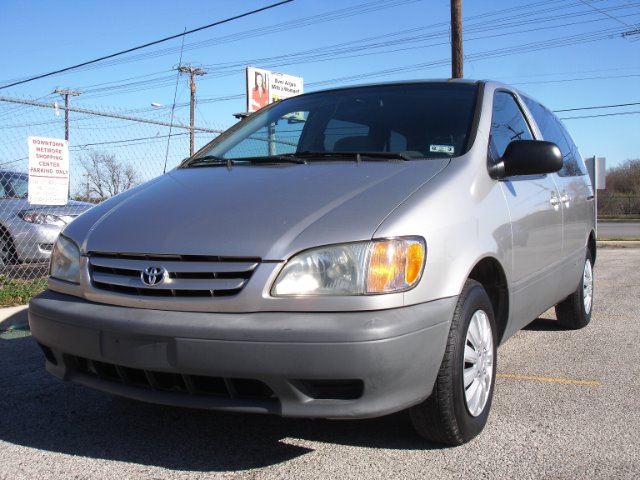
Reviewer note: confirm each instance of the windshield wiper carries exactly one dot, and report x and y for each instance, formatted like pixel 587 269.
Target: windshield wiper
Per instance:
pixel 215 161
pixel 208 161
pixel 272 159
pixel 296 158
pixel 358 155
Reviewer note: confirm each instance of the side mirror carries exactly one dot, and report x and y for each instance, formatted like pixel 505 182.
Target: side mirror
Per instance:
pixel 527 157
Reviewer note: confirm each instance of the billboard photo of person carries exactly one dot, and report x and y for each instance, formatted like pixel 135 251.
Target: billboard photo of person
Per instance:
pixel 259 92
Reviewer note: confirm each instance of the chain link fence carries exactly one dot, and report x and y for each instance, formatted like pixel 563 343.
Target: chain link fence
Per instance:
pixel 618 205
pixel 109 152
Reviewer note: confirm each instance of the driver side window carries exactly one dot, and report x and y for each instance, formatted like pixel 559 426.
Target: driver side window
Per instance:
pixel 507 124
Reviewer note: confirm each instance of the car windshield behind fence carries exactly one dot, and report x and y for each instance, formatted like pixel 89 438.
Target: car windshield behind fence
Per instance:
pixel 13 185
pixel 430 120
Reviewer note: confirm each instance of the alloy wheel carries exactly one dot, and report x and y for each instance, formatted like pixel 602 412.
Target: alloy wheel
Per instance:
pixel 478 363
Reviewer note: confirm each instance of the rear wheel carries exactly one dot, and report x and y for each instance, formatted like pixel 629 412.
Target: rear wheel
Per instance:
pixel 459 405
pixel 574 312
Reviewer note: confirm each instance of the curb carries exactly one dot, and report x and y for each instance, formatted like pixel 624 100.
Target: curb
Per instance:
pixel 618 243
pixel 14 318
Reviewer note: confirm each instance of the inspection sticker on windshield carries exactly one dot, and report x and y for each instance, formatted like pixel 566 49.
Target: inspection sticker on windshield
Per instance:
pixel 441 149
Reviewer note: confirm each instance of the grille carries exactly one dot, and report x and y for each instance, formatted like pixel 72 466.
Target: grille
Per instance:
pixel 228 388
pixel 182 275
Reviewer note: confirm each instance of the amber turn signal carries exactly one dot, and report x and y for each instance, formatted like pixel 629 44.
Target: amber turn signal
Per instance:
pixel 395 265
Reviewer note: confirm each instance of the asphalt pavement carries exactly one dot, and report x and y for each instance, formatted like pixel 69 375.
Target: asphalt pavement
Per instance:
pixel 565 407
pixel 613 229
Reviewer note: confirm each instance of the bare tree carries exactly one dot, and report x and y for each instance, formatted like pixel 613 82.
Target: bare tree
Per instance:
pixel 105 177
pixel 625 179
pixel 622 196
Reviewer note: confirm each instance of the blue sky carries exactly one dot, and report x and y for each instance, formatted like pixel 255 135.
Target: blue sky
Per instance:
pixel 569 54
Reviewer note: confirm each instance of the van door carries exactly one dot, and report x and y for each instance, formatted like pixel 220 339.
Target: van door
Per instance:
pixel 536 219
pixel 576 194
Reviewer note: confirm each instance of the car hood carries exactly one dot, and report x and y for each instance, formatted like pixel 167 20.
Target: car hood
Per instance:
pixel 267 211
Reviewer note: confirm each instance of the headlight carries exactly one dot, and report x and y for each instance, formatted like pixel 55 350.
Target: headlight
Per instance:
pixel 65 260
pixel 364 268
pixel 42 218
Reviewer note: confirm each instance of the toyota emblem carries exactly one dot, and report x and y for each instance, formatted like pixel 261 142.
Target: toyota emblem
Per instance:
pixel 153 276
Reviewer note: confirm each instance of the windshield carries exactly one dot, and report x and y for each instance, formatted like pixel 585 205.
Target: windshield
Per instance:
pixel 13 185
pixel 427 120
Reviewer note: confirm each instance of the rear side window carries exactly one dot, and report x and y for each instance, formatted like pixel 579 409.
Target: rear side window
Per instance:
pixel 575 165
pixel 553 131
pixel 507 123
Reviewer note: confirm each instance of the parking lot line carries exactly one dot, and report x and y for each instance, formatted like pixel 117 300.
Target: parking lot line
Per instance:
pixel 535 378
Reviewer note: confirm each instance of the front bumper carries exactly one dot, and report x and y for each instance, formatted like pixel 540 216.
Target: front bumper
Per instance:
pixel 326 364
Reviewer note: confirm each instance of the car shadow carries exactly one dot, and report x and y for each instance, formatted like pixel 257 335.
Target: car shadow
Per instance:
pixel 544 325
pixel 16 320
pixel 41 412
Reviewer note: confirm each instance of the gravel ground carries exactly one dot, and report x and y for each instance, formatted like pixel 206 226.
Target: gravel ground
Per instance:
pixel 565 407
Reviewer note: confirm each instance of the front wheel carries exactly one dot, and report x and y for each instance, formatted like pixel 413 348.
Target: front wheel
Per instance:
pixel 574 312
pixel 459 405
pixel 7 252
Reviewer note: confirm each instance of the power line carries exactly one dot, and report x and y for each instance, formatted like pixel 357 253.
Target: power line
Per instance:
pixel 518 13
pixel 496 53
pixel 598 107
pixel 128 140
pixel 106 57
pixel 580 79
pixel 376 44
pixel 357 10
pixel 336 48
pixel 507 19
pixel 601 115
pixel 604 13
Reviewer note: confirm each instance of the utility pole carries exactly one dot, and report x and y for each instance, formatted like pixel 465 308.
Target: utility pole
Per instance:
pixel 456 39
pixel 66 93
pixel 192 83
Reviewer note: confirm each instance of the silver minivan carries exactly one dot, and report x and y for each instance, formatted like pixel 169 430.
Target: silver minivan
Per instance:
pixel 347 253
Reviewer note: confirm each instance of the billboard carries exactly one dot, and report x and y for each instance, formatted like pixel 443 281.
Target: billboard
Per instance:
pixel 48 171
pixel 265 87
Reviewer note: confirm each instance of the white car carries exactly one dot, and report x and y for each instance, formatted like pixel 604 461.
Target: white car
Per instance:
pixel 27 233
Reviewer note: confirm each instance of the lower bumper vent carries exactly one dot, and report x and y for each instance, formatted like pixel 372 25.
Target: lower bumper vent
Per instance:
pixel 331 389
pixel 240 388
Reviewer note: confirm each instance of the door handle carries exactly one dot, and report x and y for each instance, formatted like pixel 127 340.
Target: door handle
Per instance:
pixel 555 201
pixel 566 199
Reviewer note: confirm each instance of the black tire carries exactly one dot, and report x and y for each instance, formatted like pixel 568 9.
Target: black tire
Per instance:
pixel 7 251
pixel 574 312
pixel 445 416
